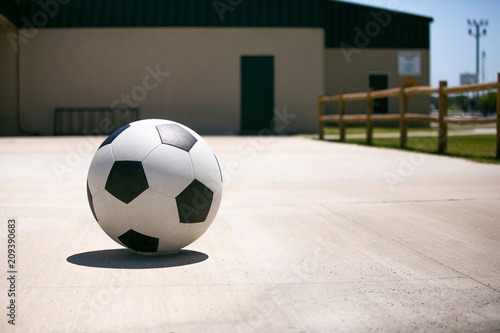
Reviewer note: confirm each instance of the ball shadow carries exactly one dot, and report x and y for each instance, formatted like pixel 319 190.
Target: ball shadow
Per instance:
pixel 126 259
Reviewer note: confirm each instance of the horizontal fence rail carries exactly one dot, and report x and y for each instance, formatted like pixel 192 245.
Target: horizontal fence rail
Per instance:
pixel 404 117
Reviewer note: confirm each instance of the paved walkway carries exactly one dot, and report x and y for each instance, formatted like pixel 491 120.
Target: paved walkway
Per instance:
pixel 311 237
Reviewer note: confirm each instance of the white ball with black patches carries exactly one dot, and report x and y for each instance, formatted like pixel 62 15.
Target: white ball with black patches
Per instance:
pixel 154 186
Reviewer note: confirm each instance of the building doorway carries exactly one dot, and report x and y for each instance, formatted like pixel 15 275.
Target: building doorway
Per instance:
pixel 379 81
pixel 257 93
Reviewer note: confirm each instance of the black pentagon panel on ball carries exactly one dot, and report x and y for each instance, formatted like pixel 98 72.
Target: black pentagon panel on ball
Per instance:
pixel 175 135
pixel 139 242
pixel 113 135
pixel 126 180
pixel 91 202
pixel 193 204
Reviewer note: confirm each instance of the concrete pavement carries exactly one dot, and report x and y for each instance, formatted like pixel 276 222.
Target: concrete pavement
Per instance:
pixel 311 237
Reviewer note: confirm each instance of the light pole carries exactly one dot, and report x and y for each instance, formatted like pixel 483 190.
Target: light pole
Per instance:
pixel 477 34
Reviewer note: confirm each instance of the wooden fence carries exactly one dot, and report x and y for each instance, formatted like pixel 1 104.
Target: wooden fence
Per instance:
pixel 404 117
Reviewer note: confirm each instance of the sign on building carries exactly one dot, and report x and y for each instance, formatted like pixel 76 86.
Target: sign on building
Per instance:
pixel 467 78
pixel 409 63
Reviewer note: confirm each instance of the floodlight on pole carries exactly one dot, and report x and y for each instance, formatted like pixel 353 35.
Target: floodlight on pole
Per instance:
pixel 477 34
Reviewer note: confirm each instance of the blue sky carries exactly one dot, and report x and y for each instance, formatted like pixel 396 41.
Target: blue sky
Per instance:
pixel 453 51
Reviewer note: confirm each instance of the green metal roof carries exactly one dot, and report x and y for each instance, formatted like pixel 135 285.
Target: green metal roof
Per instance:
pixel 9 9
pixel 181 13
pixel 370 27
pixel 341 21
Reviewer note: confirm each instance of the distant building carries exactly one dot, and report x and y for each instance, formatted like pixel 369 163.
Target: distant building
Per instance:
pixel 467 78
pixel 217 66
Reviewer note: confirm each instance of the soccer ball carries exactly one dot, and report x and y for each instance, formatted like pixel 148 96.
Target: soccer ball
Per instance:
pixel 154 186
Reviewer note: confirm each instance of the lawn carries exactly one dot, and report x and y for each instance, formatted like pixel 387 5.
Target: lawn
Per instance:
pixel 334 130
pixel 479 148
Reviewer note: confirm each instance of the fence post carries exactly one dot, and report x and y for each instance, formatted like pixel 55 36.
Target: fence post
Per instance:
pixel 341 117
pixel 320 114
pixel 443 109
pixel 498 115
pixel 403 125
pixel 369 112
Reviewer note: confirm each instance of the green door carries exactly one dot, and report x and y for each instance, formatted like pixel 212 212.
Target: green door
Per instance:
pixel 379 82
pixel 257 93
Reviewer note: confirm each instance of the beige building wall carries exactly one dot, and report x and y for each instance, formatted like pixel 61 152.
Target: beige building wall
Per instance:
pixel 8 80
pixel 352 76
pixel 197 80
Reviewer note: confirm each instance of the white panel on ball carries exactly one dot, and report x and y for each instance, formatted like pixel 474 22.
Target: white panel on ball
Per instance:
pixel 168 170
pixel 153 213
pixel 205 165
pixel 182 235
pixel 112 214
pixel 99 169
pixel 151 122
pixel 135 143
